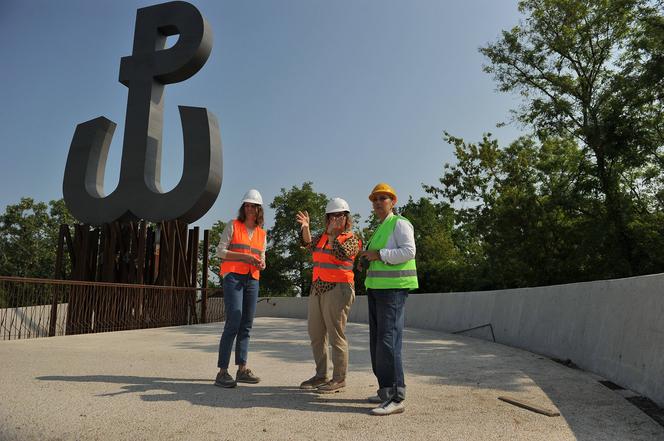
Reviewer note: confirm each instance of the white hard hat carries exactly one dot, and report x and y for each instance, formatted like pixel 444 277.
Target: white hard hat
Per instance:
pixel 336 205
pixel 252 196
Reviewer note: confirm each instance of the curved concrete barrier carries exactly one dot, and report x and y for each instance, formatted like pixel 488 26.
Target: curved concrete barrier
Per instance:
pixel 614 328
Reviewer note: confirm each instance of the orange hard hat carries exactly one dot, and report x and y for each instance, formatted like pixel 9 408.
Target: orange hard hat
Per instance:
pixel 383 188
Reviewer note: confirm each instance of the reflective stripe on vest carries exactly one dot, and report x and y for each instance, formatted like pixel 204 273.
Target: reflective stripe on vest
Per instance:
pixel 333 266
pixel 389 273
pixel 240 243
pixel 327 267
pixel 329 251
pixel 385 276
pixel 237 246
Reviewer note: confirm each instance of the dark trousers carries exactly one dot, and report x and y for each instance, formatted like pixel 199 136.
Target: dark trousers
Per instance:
pixel 386 322
pixel 240 297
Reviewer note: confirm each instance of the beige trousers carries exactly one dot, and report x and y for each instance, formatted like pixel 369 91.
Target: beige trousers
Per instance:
pixel 327 317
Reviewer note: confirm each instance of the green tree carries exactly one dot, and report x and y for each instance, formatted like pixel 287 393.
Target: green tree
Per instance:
pixel 440 267
pixel 528 214
pixel 29 237
pixel 288 264
pixel 592 71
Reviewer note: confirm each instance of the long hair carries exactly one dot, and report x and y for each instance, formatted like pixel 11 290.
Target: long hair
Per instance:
pixel 349 221
pixel 259 215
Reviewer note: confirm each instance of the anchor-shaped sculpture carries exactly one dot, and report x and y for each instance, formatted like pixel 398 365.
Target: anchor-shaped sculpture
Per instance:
pixel 146 72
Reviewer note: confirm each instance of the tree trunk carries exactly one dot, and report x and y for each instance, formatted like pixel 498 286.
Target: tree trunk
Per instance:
pixel 615 218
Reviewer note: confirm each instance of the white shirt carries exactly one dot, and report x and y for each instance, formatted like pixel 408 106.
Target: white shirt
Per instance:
pixel 400 246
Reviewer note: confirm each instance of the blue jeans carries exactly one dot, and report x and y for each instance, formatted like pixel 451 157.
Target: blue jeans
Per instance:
pixel 386 323
pixel 240 297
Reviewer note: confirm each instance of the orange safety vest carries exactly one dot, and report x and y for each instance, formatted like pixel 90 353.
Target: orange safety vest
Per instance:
pixel 241 243
pixel 327 267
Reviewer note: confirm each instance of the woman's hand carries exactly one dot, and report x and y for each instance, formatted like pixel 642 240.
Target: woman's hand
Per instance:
pixel 252 260
pixel 370 255
pixel 303 218
pixel 365 258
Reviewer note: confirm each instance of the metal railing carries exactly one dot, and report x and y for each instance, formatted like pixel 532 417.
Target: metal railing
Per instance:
pixel 31 308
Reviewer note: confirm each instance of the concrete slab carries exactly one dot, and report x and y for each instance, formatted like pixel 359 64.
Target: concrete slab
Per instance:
pixel 156 384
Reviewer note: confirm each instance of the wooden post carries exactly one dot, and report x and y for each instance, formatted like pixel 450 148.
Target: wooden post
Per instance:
pixel 172 255
pixel 194 257
pixel 60 252
pixel 194 272
pixel 157 251
pixel 204 281
pixel 58 275
pixel 140 254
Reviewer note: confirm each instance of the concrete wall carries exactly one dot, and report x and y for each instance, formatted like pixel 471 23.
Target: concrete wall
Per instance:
pixel 30 321
pixel 614 328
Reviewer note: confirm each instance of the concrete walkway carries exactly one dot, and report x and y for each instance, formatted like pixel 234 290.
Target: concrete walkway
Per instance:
pixel 156 384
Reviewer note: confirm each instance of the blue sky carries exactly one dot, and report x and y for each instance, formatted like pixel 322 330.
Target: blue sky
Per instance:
pixel 344 93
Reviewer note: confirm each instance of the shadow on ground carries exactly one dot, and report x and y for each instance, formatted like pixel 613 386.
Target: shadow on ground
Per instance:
pixel 201 392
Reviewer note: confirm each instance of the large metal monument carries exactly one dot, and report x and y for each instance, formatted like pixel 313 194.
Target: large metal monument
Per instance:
pixel 138 233
pixel 146 72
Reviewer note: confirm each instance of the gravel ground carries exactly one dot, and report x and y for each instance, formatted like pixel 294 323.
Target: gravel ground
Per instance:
pixel 157 384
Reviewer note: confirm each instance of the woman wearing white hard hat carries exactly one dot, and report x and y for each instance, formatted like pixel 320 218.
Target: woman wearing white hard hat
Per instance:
pixel 332 293
pixel 242 252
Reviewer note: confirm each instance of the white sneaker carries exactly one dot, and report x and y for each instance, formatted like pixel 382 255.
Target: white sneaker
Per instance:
pixel 375 399
pixel 388 408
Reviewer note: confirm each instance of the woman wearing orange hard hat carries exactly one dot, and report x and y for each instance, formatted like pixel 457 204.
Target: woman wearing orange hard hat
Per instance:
pixel 242 252
pixel 391 274
pixel 332 293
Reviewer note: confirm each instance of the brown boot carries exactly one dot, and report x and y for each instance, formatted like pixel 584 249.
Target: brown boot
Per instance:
pixel 332 387
pixel 313 383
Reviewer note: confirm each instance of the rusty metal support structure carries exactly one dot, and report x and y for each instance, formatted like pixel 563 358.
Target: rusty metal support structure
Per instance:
pixel 163 254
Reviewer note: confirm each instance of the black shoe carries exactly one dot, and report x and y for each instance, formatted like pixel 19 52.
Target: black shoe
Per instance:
pixel 224 380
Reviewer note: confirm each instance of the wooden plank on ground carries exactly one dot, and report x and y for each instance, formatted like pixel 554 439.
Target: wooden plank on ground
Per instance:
pixel 529 407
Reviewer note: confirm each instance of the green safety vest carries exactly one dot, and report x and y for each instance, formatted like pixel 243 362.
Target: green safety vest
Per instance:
pixel 383 275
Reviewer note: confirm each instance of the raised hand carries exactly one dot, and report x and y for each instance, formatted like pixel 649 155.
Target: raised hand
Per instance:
pixel 302 217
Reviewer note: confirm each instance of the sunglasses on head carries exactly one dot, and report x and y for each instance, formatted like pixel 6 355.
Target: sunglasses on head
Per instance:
pixel 247 204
